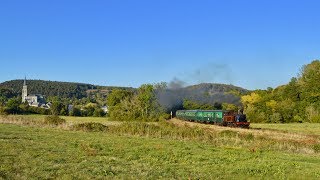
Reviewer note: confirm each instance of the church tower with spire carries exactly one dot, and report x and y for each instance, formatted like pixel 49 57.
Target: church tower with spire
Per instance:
pixel 24 90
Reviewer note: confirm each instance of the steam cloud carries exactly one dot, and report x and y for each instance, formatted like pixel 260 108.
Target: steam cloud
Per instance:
pixel 176 83
pixel 172 98
pixel 211 73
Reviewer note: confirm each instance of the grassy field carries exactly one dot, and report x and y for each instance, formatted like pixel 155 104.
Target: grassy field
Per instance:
pixel 167 150
pixel 300 128
pixel 31 152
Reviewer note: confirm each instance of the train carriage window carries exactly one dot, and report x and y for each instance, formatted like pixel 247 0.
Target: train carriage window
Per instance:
pixel 219 115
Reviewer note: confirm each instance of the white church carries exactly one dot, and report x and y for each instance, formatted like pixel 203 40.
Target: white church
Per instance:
pixel 35 100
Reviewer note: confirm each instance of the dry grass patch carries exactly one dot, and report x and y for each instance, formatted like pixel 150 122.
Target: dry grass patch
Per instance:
pixel 271 139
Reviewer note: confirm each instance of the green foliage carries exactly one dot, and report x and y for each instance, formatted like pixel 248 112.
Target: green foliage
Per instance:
pixel 2 110
pixel 141 106
pixel 315 119
pixel 292 90
pixel 90 108
pixel 312 114
pixel 117 95
pixel 13 106
pixel 124 110
pixel 310 81
pixel 56 106
pixel 37 110
pixel 230 107
pixel 298 101
pixel 63 111
pixel 75 111
pixel 146 100
pixel 164 116
pixel 275 118
pixel 98 112
pixel 54 120
pixel 5 94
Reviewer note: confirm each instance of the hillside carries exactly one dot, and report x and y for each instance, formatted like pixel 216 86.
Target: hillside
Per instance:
pixel 209 93
pixel 55 88
pixel 170 99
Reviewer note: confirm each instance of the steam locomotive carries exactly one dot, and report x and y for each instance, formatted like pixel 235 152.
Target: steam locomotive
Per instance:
pixel 219 117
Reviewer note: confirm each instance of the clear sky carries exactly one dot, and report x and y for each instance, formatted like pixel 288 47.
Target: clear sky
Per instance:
pixel 248 43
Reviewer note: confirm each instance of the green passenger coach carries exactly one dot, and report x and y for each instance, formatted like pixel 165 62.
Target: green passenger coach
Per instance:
pixel 220 117
pixel 206 116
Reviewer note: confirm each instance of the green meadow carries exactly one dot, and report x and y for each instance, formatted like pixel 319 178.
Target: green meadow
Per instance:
pixel 163 150
pixel 300 128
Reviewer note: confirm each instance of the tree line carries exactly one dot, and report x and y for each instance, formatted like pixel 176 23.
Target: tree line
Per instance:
pixel 297 101
pixel 58 107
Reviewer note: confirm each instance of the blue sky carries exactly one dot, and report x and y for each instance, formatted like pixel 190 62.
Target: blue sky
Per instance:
pixel 248 43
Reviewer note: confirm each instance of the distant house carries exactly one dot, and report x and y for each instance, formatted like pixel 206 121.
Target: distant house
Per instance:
pixel 105 109
pixel 35 100
pixel 70 108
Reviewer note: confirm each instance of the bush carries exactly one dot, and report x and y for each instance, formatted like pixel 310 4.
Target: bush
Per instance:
pixel 3 111
pixel 98 112
pixel 315 119
pixel 275 118
pixel 54 120
pixel 38 110
pixel 164 116
pixel 75 112
pixel 91 127
pixel 297 118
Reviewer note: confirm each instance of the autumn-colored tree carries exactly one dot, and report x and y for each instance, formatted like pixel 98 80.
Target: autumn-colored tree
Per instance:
pixel 298 101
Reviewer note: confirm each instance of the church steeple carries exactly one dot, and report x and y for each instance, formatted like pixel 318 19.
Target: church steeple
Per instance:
pixel 25 81
pixel 24 90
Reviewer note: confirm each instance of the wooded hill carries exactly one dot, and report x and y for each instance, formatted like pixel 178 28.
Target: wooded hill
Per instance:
pixel 210 92
pixel 55 88
pixel 205 93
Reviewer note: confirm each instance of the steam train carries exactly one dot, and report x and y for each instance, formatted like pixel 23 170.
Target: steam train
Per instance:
pixel 219 117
